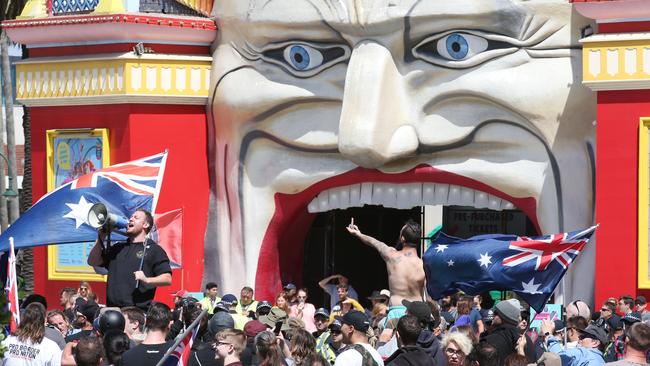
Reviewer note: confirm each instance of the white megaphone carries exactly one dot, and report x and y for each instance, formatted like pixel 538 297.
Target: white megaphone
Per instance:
pixel 98 216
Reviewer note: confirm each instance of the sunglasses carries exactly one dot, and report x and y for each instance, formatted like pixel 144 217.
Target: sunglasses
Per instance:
pixel 454 352
pixel 335 332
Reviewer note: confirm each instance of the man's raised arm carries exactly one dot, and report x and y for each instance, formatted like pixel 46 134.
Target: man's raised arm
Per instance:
pixel 382 248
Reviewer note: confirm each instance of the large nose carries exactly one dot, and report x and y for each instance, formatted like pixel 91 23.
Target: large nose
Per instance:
pixel 375 118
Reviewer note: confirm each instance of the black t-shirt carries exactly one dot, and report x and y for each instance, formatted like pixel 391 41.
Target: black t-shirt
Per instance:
pixel 121 260
pixel 145 354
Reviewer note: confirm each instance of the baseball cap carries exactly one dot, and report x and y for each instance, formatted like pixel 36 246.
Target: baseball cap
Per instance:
pixel 640 300
pixel 419 309
pixel 356 319
pixel 253 327
pixel 377 295
pixel 88 309
pixel 559 325
pixel 322 312
pixel 220 321
pixel 223 306
pixel 595 332
pixel 290 286
pixel 179 293
pixel 336 324
pixel 264 304
pixel 229 299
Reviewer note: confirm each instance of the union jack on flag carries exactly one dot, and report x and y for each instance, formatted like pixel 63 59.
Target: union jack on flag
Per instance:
pixel 11 289
pixel 529 266
pixel 61 215
pixel 180 353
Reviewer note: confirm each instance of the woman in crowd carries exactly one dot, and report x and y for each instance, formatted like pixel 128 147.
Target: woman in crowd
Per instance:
pixel 456 346
pixel 304 310
pixel 302 345
pixel 28 345
pixel 282 303
pixel 269 350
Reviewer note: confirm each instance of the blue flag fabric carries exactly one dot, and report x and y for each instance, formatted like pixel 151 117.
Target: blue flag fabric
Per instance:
pixel 528 266
pixel 60 217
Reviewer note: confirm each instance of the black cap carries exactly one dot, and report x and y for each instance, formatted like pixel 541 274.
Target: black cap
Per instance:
pixel 88 309
pixel 419 309
pixel 336 324
pixel 595 332
pixel 322 312
pixel 264 304
pixel 640 300
pixel 357 320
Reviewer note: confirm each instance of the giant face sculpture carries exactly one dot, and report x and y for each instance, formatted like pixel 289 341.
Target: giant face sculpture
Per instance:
pixel 325 104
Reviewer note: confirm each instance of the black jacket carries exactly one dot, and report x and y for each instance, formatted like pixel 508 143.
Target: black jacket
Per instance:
pixel 431 345
pixel 410 356
pixel 504 339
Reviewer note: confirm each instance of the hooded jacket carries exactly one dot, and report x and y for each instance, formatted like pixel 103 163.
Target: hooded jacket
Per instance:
pixel 504 339
pixel 431 345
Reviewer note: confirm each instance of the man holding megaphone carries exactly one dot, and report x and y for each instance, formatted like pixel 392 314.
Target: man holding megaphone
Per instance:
pixel 135 267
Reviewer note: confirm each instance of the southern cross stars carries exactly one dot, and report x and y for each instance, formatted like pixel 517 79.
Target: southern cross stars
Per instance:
pixel 79 211
pixel 441 248
pixel 531 287
pixel 450 263
pixel 485 260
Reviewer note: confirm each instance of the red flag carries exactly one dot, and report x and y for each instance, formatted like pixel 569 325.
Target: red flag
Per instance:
pixel 11 288
pixel 169 235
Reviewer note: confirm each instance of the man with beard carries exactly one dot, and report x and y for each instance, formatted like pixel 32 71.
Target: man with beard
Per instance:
pixel 405 271
pixel 86 313
pixel 135 267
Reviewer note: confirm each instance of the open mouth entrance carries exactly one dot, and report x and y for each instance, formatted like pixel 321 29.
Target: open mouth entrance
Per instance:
pixel 329 249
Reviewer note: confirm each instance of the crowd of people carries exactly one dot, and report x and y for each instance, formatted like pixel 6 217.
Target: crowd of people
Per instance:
pixel 457 330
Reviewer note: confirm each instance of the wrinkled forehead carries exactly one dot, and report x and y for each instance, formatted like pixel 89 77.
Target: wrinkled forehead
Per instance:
pixel 362 17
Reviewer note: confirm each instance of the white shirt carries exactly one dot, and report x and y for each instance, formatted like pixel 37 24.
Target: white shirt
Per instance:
pixel 352 357
pixel 18 353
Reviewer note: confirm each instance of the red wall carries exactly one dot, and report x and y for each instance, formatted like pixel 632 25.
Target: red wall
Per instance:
pixel 617 130
pixel 135 131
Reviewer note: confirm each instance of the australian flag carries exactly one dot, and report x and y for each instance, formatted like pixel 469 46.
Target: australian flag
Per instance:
pixel 60 216
pixel 529 266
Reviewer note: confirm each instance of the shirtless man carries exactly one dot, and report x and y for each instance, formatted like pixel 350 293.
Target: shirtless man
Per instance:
pixel 405 269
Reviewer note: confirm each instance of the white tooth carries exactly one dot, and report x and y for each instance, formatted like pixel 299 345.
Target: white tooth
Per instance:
pixel 467 196
pixel 355 195
pixel 344 197
pixel 507 205
pixel 403 197
pixel 481 200
pixel 428 194
pixel 441 195
pixel 334 199
pixel 416 195
pixel 366 194
pixel 323 201
pixel 379 194
pixel 454 195
pixel 494 203
pixel 313 206
pixel 390 196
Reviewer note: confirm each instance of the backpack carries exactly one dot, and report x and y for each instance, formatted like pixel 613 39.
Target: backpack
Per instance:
pixel 366 357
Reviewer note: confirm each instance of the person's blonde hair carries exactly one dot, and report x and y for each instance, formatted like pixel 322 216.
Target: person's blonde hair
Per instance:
pixel 235 337
pixel 462 341
pixel 379 308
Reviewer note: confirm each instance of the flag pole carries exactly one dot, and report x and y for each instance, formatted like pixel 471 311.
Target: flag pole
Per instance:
pixel 182 336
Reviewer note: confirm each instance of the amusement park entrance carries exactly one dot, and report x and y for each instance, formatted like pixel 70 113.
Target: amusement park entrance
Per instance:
pixel 330 249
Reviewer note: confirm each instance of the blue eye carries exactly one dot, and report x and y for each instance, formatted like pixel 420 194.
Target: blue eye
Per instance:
pixel 457 46
pixel 302 57
pixel 460 46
